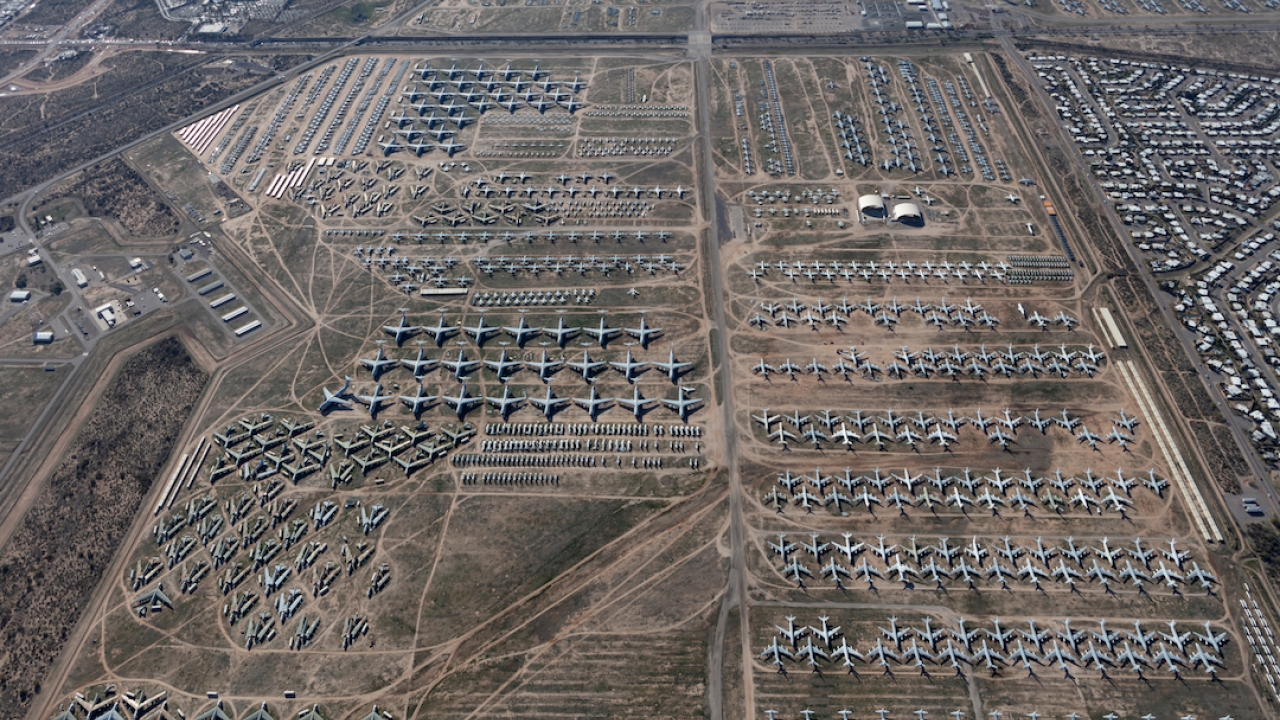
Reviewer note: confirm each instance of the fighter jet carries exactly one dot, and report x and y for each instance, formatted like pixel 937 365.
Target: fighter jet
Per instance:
pixel 333 401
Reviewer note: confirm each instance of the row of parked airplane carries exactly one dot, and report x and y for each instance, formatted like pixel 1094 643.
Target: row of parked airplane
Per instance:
pixel 997 647
pixel 682 405
pixel 461 367
pixel 972 562
pixel 481 331
pixel 960 490
pixel 942 430
pixel 886 271
pixel 887 314
pixel 949 363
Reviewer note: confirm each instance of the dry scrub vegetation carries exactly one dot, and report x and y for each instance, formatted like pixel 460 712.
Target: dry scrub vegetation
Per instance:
pixel 112 189
pixel 57 556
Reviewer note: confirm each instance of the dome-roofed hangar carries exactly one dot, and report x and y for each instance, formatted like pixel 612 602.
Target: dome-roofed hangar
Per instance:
pixel 871 206
pixel 908 213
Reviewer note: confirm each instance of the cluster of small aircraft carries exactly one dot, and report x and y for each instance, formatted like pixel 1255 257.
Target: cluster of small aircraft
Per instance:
pixel 915 429
pixel 997 647
pixel 1068 564
pixel 960 490
pixel 953 363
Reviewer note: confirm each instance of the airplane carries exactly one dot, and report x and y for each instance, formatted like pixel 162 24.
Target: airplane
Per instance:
pixel 440 332
pixel 681 405
pixel 421 366
pixel 1211 639
pixel 777 652
pixel 671 367
pixel 762 368
pixel 1075 554
pixel 629 368
pixel 416 402
pixel 380 364
pixel 1125 421
pixel 782 547
pixel 461 366
pixel 544 366
pixel 506 403
pixel 593 404
pixel 826 634
pixel 561 332
pixel 501 365
pixel 481 331
pixel 1013 198
pixel 549 403
pixel 336 400
pixel 642 333
pixel 1205 579
pixel 587 367
pixel 375 400
pixel 403 330
pixel 461 402
pixel 795 571
pixel 523 332
pixel 601 333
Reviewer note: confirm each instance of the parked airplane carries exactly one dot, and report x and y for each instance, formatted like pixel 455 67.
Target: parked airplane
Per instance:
pixel 671 367
pixel 375 400
pixel 334 401
pixel 682 405
pixel 379 364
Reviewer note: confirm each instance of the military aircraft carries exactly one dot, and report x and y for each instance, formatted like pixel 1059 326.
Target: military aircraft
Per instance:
pixel 379 364
pixel 643 333
pixel 601 333
pixel 561 332
pixel 671 367
pixel 587 366
pixel 461 367
pixel 506 403
pixel 333 401
pixel 682 405
pixel 594 404
pixel 544 366
pixel 375 400
pixel 635 403
pixel 523 332
pixel 549 404
pixel 403 330
pixel 462 401
pixel 481 331
pixel 439 332
pixel 415 403
pixel 629 368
